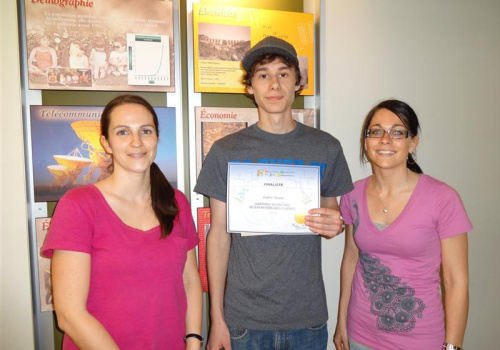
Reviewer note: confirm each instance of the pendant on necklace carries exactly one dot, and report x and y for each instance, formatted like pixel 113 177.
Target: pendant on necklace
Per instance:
pixel 384 210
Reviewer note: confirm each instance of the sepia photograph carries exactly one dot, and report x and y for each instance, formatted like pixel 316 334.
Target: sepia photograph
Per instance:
pixel 222 42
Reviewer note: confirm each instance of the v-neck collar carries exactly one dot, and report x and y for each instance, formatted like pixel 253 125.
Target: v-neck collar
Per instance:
pixel 401 215
pixel 117 219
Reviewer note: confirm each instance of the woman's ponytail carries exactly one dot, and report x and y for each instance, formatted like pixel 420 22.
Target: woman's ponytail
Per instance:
pixel 412 164
pixel 163 200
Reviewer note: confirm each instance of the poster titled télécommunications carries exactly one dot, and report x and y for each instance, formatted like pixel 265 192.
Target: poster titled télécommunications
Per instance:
pixel 67 152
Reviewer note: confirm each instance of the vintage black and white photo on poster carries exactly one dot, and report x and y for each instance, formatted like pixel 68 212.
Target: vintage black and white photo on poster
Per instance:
pixel 223 42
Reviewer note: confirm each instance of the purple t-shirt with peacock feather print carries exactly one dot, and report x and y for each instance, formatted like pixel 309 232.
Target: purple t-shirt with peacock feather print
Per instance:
pixel 395 296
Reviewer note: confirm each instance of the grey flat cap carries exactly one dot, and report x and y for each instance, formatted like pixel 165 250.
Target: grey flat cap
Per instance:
pixel 269 45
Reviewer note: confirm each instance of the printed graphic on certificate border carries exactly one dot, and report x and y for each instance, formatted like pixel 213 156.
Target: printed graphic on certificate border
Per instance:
pixel 223 34
pixel 213 123
pixel 67 152
pixel 110 45
pixel 267 199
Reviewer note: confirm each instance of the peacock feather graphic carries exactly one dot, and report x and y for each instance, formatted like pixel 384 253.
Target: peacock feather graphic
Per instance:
pixel 392 301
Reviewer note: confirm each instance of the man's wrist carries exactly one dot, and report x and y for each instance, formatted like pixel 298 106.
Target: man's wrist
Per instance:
pixel 218 321
pixel 217 315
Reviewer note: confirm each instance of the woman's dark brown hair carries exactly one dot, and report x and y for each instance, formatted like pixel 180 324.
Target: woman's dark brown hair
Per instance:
pixel 407 116
pixel 162 192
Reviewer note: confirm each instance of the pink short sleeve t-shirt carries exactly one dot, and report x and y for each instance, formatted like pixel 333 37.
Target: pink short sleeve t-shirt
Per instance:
pixel 136 289
pixel 395 297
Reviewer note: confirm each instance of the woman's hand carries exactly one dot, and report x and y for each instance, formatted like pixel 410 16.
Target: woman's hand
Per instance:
pixel 340 338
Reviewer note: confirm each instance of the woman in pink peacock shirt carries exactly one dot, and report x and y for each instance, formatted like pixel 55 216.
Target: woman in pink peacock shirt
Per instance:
pixel 402 227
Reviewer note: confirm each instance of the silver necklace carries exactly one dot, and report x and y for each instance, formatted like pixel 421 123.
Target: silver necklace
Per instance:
pixel 385 209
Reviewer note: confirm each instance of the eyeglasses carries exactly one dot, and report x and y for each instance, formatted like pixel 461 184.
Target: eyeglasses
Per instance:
pixel 394 133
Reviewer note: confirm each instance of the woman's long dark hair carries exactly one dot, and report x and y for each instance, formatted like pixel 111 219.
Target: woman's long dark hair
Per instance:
pixel 162 192
pixel 409 119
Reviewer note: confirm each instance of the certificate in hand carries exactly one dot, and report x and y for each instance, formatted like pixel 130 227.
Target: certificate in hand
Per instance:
pixel 271 199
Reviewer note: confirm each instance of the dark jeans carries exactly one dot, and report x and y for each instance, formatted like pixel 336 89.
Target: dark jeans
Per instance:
pixel 313 338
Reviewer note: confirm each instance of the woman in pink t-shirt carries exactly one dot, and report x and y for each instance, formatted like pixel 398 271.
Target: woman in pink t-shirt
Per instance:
pixel 124 271
pixel 402 227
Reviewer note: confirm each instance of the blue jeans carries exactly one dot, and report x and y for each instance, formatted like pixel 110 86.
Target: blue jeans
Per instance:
pixel 313 338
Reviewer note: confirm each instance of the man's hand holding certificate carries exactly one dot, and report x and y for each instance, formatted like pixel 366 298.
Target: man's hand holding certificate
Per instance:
pixel 271 199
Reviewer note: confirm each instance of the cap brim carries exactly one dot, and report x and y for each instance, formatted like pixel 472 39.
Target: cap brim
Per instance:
pixel 252 56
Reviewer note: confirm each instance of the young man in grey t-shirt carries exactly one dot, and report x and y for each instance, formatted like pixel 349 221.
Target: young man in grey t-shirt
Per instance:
pixel 268 290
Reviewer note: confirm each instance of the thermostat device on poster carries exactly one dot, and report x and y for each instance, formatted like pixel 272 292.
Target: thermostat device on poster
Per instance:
pixel 148 59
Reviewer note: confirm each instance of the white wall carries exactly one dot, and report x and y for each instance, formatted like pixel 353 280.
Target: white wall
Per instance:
pixel 16 322
pixel 443 58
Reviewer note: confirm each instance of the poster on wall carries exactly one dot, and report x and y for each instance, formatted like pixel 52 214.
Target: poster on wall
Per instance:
pixel 67 152
pixel 223 34
pixel 213 123
pixel 203 224
pixel 100 45
pixel 44 280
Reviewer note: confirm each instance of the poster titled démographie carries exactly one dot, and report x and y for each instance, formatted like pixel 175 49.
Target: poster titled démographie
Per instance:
pixel 100 45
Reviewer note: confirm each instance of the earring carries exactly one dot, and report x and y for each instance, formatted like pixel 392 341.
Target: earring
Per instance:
pixel 410 159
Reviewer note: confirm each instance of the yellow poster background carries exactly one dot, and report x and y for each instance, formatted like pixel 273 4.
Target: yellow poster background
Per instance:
pixel 223 34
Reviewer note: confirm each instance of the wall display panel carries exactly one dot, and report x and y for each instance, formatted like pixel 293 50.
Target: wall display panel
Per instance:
pixel 154 21
pixel 203 224
pixel 222 35
pixel 100 45
pixel 67 151
pixel 44 276
pixel 213 123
